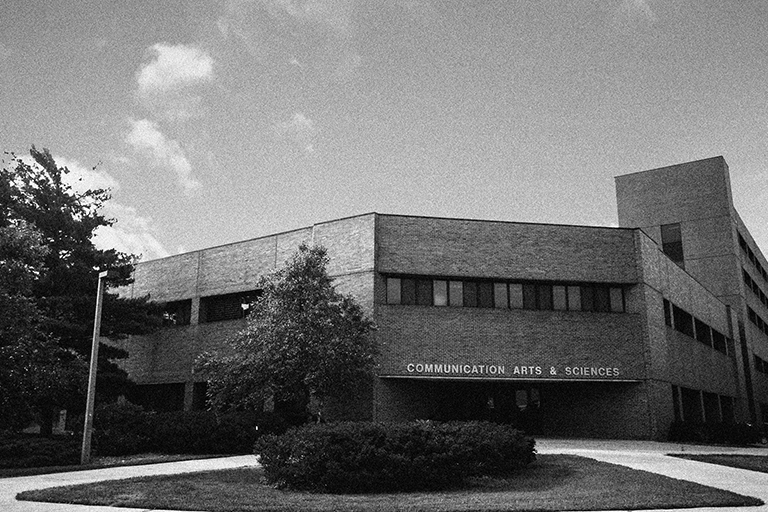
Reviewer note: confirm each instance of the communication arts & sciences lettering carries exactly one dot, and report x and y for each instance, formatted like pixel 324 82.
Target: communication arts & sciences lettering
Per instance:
pixel 514 371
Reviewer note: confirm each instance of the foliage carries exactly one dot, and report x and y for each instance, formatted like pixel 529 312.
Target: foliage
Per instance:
pixel 376 457
pixel 125 429
pixel 48 278
pixel 718 433
pixel 303 339
pixel 26 451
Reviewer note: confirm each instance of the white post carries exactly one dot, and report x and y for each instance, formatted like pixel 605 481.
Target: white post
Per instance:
pixel 85 454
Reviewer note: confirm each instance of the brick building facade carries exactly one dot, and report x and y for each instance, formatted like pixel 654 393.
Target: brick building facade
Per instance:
pixel 569 330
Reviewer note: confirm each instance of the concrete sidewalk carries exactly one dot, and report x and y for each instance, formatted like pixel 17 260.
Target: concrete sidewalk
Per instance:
pixel 644 455
pixel 651 456
pixel 10 487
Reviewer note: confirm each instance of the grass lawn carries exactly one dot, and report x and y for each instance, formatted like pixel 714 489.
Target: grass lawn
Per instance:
pixel 553 482
pixel 750 462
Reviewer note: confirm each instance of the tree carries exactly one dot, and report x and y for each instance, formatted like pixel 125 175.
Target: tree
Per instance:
pixel 48 279
pixel 303 340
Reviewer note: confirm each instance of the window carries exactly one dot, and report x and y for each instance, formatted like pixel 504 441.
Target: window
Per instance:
pixel 718 342
pixel 587 298
pixel 559 298
pixel 672 242
pixel 500 296
pixel 485 294
pixel 544 296
pixel 230 306
pixel 393 290
pixel 703 332
pixel 440 293
pixel 617 300
pixel 516 296
pixel 667 313
pixel 408 291
pixel 177 312
pixel 456 293
pixel 574 298
pixel 683 321
pixel 424 292
pixel 726 409
pixel 711 407
pixel 602 299
pixel 692 410
pixel 676 403
pixel 529 296
pixel 470 294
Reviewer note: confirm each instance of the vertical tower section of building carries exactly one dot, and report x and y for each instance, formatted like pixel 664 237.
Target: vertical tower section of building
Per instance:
pixel 687 209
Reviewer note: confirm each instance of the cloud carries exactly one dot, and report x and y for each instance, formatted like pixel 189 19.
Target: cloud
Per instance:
pixel 147 139
pixel 318 34
pixel 634 14
pixel 173 67
pixel 299 130
pixel 169 85
pixel 131 233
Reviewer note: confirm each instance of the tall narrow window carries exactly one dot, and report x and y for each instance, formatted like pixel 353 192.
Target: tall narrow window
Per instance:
pixel 617 300
pixel 574 298
pixel 587 298
pixel 500 297
pixel 470 294
pixel 408 291
pixel 544 296
pixel 529 296
pixel 440 293
pixel 559 299
pixel 456 293
pixel 485 294
pixel 393 290
pixel 424 292
pixel 602 299
pixel 515 295
pixel 672 242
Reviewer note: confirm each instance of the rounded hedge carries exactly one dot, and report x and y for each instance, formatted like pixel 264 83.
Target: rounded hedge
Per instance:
pixel 379 457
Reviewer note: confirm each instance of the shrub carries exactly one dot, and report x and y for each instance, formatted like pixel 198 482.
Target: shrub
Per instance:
pixel 718 433
pixel 25 451
pixel 376 457
pixel 122 428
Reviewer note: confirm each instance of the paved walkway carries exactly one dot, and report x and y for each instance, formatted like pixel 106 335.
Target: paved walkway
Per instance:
pixel 644 455
pixel 651 456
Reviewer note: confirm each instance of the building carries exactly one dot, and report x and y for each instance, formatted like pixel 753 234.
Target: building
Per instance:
pixel 568 330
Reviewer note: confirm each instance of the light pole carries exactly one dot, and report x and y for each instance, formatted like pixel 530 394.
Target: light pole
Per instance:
pixel 85 454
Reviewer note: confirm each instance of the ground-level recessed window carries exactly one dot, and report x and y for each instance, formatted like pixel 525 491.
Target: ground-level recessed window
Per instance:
pixel 667 313
pixel 470 294
pixel 408 291
pixel 617 300
pixel 574 298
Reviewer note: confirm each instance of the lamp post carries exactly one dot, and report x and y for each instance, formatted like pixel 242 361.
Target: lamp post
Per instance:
pixel 85 454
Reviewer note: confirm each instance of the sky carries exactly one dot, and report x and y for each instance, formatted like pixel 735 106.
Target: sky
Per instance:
pixel 219 121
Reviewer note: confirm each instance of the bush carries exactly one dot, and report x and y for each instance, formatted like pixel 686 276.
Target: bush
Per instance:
pixel 26 451
pixel 717 433
pixel 375 457
pixel 125 429
pixel 121 428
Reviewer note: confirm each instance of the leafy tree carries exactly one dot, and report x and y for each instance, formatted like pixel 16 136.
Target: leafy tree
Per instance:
pixel 48 280
pixel 303 340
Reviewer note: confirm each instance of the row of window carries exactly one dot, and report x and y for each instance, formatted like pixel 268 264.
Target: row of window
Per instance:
pixel 230 306
pixel 701 406
pixel 425 291
pixel 684 322
pixel 757 320
pixel 761 364
pixel 752 285
pixel 751 257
